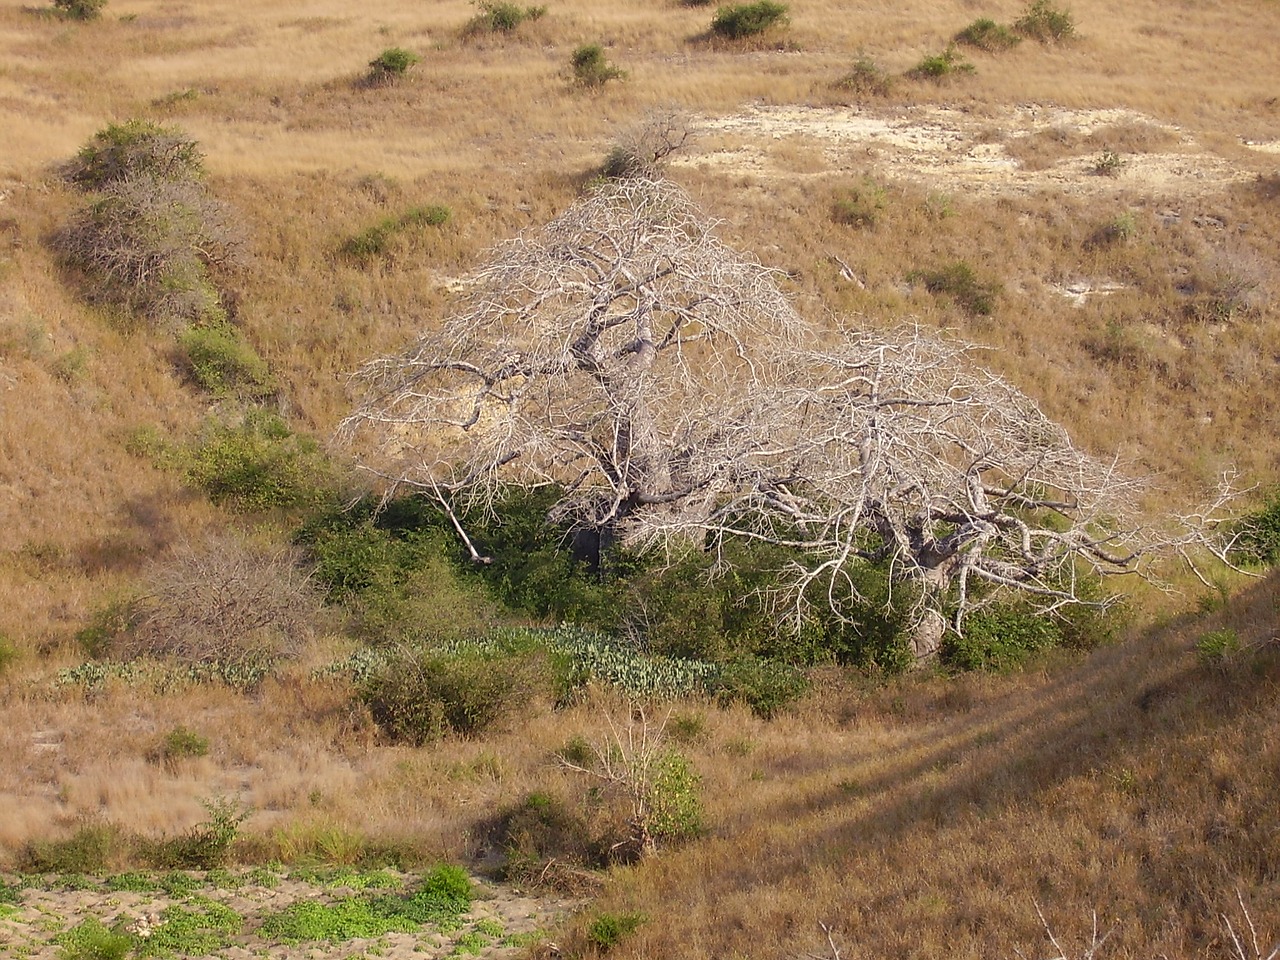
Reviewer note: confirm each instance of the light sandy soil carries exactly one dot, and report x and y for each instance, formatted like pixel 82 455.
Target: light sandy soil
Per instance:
pixel 29 929
pixel 955 150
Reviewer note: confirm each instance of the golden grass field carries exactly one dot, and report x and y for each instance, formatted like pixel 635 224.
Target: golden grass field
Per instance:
pixel 925 817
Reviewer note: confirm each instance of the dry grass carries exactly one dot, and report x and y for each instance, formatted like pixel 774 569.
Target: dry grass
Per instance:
pixel 921 819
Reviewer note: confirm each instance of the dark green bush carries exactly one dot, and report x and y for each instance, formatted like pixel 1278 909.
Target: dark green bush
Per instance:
pixel 501 16
pixel 180 744
pixel 986 34
pixel 79 9
pixel 221 361
pixel 766 686
pixel 591 69
pixel 958 281
pixel 135 148
pixel 390 65
pixel 748 19
pixel 610 929
pixel 376 240
pixel 1046 23
pixel 423 695
pixel 91 940
pixel 1000 638
pixel 940 66
pixel 1257 536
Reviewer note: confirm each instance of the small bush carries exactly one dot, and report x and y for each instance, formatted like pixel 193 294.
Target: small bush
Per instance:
pixel 205 846
pixel 502 17
pixel 766 686
pixel 1046 23
pixel 591 69
pixel 90 940
pixel 1218 646
pixel 79 9
pixel 390 65
pixel 1000 638
pixel 1257 539
pixel 8 654
pixel 420 696
pixel 223 605
pixel 610 929
pixel 92 848
pixel 642 150
pixel 859 205
pixel 546 844
pixel 376 240
pixel 958 281
pixel 135 148
pixel 940 66
pixel 987 35
pixel 675 809
pixel 180 744
pixel 1108 165
pixel 748 19
pixel 866 79
pixel 221 361
pixel 257 465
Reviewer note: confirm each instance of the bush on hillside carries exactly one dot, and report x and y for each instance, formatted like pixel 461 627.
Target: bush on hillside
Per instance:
pixel 748 19
pixel 221 361
pixel 941 66
pixel 135 148
pixel 1257 536
pixel 987 35
pixel 500 16
pixel 643 149
pixel 1046 23
pixel 866 79
pixel 390 65
pixel 591 68
pixel 79 9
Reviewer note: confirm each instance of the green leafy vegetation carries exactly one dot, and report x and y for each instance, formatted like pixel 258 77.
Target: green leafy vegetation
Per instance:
pixel 91 940
pixel 221 361
pixel 180 744
pixel 940 66
pixel 377 240
pixel 1257 538
pixel 610 929
pixel 976 296
pixel 135 148
pixel 859 205
pixel 8 654
pixel 502 17
pixel 1046 23
pixel 206 845
pixel 390 66
pixel 90 849
pixel 79 9
pixel 866 78
pixel 739 21
pixel 591 68
pixel 987 35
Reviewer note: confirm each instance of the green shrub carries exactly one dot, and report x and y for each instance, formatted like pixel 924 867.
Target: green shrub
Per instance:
pixel 221 361
pixel 1257 535
pixel 391 65
pixel 859 205
pixel 502 17
pixel 376 240
pixel 181 744
pixel 8 654
pixel 91 849
pixel 1218 646
pixel 591 69
pixel 1046 23
pixel 766 686
pixel 79 9
pixel 257 465
pixel 135 148
pixel 193 930
pixel 958 281
pixel 986 34
pixel 610 929
pixel 940 66
pixel 207 844
pixel 748 19
pixel 90 940
pixel 675 808
pixel 1000 638
pixel 866 79
pixel 1109 164
pixel 131 881
pixel 420 695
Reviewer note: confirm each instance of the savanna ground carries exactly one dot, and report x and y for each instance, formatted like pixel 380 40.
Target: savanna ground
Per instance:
pixel 1119 192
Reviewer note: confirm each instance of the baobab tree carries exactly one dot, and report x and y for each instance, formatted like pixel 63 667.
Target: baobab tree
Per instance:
pixel 668 389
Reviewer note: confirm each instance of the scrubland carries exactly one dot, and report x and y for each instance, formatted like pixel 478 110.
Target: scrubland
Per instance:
pixel 1118 196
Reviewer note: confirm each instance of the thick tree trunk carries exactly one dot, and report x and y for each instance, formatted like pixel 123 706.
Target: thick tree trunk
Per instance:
pixel 926 636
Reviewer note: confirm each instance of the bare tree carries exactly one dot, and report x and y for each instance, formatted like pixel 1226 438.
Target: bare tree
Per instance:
pixel 668 387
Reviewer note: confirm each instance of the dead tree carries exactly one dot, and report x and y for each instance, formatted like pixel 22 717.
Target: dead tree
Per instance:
pixel 668 387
